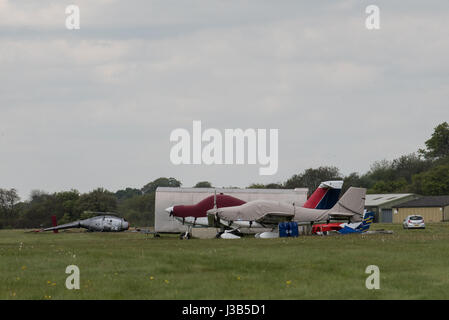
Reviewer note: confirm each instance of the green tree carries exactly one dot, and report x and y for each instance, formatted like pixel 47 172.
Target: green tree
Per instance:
pixel 98 200
pixel 274 186
pixel 38 210
pixel 66 218
pixel 396 186
pixel 355 180
pixel 381 171
pixel 160 182
pixel 66 202
pixel 256 186
pixel 266 186
pixel 438 144
pixel 41 206
pixel 127 193
pixel 434 182
pixel 408 165
pixel 203 184
pixel 311 178
pixel 138 210
pixel 394 176
pixel 8 199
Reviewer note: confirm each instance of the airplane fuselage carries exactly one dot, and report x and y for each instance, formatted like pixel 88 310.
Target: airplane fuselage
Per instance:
pixel 200 222
pixel 103 223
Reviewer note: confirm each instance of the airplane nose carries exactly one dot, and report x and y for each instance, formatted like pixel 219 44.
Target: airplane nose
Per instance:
pixel 169 210
pixel 126 225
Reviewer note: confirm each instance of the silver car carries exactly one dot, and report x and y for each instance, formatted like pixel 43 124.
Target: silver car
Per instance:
pixel 414 222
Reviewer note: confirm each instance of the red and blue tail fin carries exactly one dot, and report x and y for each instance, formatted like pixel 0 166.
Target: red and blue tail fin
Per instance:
pixel 325 196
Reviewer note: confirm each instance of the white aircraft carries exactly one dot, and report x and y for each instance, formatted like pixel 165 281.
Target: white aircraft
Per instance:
pixel 268 214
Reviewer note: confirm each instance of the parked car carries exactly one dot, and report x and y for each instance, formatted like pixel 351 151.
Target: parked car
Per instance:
pixel 414 222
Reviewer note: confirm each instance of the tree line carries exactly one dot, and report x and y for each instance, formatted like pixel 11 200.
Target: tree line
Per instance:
pixel 424 172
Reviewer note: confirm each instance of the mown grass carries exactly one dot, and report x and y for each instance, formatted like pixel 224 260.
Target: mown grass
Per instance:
pixel 414 264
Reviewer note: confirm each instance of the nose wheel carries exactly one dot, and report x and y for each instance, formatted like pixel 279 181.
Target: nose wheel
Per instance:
pixel 186 235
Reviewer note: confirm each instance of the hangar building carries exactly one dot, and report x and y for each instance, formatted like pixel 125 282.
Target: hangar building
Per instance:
pixel 382 204
pixel 167 197
pixel 432 208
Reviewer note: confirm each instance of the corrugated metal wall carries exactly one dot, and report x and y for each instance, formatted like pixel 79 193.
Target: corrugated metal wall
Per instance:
pixel 387 216
pixel 446 213
pixel 429 214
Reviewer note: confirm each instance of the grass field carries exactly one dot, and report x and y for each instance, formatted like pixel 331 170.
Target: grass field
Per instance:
pixel 414 264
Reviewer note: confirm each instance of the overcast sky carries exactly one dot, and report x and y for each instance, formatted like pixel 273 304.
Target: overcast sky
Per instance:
pixel 95 107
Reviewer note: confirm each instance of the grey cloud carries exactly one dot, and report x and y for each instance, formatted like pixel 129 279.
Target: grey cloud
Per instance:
pixel 96 107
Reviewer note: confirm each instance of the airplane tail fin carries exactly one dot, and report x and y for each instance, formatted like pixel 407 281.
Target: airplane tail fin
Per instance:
pixel 366 222
pixel 54 223
pixel 352 204
pixel 325 196
pixel 359 227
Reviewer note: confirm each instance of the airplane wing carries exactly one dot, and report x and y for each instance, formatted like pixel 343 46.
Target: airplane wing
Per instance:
pixel 274 218
pixel 340 215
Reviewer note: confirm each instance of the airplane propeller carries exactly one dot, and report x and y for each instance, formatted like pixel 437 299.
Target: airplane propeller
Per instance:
pixel 170 211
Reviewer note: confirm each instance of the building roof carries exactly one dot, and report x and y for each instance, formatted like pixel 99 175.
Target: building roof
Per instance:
pixel 233 190
pixel 374 200
pixel 430 201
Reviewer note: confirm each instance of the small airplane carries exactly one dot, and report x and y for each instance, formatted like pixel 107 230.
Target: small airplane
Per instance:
pixel 106 222
pixel 268 214
pixel 345 228
pixel 195 216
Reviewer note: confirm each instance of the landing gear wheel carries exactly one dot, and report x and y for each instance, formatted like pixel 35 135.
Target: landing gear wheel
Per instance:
pixel 218 235
pixel 185 236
